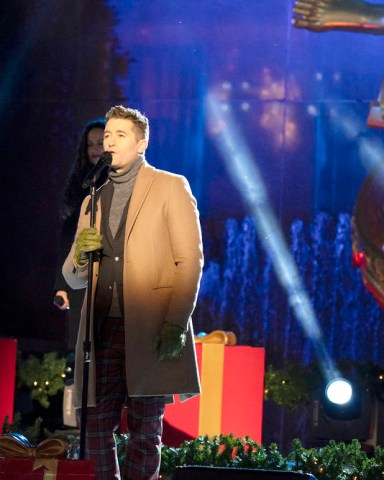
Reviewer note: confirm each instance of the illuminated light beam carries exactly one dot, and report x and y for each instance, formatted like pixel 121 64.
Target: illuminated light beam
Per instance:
pixel 246 176
pixel 350 126
pixel 371 150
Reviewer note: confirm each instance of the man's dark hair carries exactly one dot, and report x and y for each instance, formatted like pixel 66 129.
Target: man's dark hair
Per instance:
pixel 140 121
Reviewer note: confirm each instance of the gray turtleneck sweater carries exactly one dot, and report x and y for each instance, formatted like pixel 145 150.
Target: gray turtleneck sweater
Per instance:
pixel 122 190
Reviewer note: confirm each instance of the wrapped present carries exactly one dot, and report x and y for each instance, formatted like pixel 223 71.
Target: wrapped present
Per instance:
pixel 45 469
pixel 20 460
pixel 8 353
pixel 232 384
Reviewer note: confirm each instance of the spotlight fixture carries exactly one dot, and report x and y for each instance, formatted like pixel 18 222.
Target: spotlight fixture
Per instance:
pixel 339 391
pixel 341 401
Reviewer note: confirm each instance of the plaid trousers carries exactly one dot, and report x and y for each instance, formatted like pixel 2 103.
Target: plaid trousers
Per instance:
pixel 144 415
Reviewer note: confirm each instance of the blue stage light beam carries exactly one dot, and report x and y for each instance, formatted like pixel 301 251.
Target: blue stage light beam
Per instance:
pixel 242 168
pixel 371 152
pixel 351 125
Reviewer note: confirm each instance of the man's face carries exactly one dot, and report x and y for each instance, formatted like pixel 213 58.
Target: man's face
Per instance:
pixel 121 139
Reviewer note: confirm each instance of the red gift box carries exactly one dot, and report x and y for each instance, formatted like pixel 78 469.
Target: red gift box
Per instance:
pixel 8 352
pixel 232 380
pixel 12 468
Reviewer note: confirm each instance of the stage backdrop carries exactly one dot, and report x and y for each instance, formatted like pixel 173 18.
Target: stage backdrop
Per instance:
pixel 220 81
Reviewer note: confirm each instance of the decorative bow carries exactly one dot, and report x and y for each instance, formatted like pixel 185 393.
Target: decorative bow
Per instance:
pixel 217 336
pixel 45 454
pixel 14 445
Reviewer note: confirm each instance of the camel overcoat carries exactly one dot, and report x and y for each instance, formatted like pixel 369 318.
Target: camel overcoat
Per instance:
pixel 163 262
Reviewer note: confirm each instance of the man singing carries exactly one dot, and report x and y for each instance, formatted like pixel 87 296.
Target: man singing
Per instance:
pixel 145 284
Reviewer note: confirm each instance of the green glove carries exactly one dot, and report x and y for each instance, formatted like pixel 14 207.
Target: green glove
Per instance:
pixel 88 240
pixel 170 342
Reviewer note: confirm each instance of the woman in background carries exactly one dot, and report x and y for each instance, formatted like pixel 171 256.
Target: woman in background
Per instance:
pixel 89 151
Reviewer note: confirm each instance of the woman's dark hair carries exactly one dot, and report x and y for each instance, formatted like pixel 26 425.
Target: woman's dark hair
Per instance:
pixel 74 193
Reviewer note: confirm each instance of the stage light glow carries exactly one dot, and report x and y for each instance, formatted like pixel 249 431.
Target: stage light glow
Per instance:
pixel 350 124
pixel 312 110
pixel 371 149
pixel 271 88
pixel 339 391
pixel 341 400
pixel 275 88
pixel 270 120
pixel 243 170
pixel 372 152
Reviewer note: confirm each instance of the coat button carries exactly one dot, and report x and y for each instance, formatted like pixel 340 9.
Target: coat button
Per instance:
pixel 116 259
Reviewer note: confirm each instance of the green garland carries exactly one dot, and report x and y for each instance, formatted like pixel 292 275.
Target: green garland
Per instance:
pixel 334 461
pixel 44 377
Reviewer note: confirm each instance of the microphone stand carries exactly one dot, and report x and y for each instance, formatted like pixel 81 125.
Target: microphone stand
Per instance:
pixel 87 341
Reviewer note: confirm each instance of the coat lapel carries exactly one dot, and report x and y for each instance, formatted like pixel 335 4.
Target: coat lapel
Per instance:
pixel 144 180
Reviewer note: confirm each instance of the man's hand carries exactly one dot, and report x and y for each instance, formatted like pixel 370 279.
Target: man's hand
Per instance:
pixel 88 240
pixel 170 342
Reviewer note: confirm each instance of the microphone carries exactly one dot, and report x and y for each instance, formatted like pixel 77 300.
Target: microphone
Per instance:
pixel 58 300
pixel 104 162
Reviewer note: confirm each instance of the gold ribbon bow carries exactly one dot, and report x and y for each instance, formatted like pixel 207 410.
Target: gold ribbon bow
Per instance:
pixel 46 453
pixel 54 447
pixel 218 336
